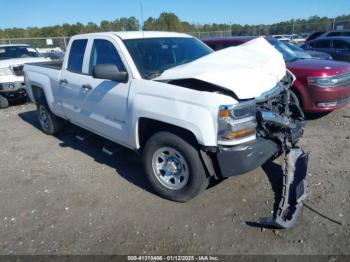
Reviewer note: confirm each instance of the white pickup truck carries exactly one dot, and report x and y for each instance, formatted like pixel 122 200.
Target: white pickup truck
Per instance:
pixel 192 113
pixel 12 59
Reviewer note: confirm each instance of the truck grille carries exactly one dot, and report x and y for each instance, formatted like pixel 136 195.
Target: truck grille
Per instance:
pixel 18 70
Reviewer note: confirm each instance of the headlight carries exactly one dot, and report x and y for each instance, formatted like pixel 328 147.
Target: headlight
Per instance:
pixel 237 123
pixel 5 71
pixel 328 81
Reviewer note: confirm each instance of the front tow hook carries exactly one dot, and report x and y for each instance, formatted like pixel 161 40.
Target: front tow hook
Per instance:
pixel 294 191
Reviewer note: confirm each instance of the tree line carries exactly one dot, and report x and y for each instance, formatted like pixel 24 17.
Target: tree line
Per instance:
pixel 171 22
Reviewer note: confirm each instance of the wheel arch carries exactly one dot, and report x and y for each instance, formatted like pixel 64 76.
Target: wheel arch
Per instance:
pixel 146 127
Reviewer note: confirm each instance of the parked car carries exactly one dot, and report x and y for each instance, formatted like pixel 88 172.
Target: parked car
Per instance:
pixel 172 98
pixel 297 39
pixel 12 58
pixel 301 53
pixel 314 35
pixel 338 47
pixel 283 38
pixel 55 55
pixel 321 85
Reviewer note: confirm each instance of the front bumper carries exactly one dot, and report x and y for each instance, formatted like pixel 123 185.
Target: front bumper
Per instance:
pixel 326 99
pixel 13 90
pixel 240 159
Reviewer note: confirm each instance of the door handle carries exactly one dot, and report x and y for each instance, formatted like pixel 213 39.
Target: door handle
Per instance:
pixel 86 87
pixel 64 81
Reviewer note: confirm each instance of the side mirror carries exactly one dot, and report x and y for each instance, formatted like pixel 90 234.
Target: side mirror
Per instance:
pixel 110 72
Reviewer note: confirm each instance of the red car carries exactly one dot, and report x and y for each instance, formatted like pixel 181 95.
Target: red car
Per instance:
pixel 320 85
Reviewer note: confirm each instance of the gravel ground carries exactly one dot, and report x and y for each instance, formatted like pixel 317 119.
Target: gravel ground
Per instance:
pixel 62 196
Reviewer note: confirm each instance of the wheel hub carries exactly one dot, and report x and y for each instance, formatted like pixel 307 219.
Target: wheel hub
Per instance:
pixel 170 168
pixel 173 166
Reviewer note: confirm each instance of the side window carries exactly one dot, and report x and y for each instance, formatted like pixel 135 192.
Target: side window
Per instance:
pixel 76 56
pixel 338 44
pixel 104 52
pixel 323 44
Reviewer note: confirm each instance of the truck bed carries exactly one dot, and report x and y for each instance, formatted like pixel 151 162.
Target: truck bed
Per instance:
pixel 50 64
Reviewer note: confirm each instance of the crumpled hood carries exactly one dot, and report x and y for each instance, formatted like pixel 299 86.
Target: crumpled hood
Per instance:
pixel 248 70
pixel 21 61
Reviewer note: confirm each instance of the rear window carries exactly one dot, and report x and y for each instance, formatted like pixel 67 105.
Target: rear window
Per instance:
pixel 76 56
pixel 323 44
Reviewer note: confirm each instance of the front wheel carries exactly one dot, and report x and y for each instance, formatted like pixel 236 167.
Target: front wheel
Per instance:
pixel 173 167
pixel 4 103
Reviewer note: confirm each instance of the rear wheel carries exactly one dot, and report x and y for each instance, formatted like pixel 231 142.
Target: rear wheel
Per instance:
pixel 50 124
pixel 4 103
pixel 173 167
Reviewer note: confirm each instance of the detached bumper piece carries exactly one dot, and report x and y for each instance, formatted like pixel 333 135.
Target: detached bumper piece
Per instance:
pixel 295 190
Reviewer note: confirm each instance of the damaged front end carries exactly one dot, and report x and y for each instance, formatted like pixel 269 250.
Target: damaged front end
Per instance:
pixel 281 119
pixel 254 131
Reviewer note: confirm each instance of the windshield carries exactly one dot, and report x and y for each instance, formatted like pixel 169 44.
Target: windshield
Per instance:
pixel 287 53
pixel 153 56
pixel 10 52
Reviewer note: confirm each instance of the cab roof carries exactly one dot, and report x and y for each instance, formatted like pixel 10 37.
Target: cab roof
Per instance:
pixel 141 34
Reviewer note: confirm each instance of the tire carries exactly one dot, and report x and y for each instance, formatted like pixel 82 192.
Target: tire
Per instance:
pixel 49 123
pixel 4 103
pixel 173 167
pixel 295 98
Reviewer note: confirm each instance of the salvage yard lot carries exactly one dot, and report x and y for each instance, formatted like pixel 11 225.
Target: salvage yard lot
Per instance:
pixel 62 196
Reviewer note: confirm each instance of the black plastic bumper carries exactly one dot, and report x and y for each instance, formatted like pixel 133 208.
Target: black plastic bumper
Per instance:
pixel 243 158
pixel 14 95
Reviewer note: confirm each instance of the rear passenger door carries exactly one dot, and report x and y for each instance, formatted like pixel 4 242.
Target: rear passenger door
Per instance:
pixel 71 78
pixel 341 50
pixel 323 45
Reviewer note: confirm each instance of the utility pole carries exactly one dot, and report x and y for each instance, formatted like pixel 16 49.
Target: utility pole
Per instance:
pixel 230 28
pixel 333 27
pixel 141 7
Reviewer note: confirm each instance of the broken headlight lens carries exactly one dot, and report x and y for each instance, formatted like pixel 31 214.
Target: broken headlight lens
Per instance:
pixel 237 123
